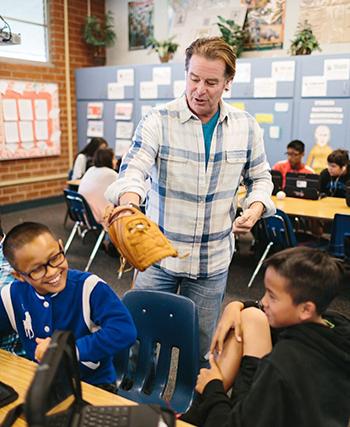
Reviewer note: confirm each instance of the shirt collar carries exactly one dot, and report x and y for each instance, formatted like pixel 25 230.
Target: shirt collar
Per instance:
pixel 186 114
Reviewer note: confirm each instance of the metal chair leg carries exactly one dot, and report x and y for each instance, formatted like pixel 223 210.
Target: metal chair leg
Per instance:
pixel 71 237
pixel 94 251
pixel 257 268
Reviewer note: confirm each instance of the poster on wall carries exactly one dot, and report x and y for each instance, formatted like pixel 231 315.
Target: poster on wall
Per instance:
pixel 264 23
pixel 140 17
pixel 29 120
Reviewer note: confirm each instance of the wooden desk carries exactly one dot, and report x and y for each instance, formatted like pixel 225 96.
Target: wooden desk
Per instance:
pixel 73 183
pixel 18 372
pixel 324 208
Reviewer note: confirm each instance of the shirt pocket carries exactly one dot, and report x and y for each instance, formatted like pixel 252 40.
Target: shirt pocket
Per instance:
pixel 236 156
pixel 232 168
pixel 174 170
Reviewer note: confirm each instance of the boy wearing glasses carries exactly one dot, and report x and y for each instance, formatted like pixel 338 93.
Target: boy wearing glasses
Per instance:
pixel 48 296
pixel 295 153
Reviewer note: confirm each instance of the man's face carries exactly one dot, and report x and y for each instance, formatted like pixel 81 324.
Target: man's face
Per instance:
pixel 205 83
pixel 32 257
pixel 294 157
pixel 334 169
pixel 278 305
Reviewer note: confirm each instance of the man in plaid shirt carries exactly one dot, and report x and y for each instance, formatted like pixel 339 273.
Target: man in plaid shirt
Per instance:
pixel 197 150
pixel 9 342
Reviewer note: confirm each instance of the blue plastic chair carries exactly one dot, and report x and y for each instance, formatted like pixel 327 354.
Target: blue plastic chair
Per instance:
pixel 340 230
pixel 84 221
pixel 164 322
pixel 278 232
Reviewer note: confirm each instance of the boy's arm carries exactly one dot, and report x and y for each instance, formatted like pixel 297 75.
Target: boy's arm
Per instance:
pixel 268 403
pixel 117 330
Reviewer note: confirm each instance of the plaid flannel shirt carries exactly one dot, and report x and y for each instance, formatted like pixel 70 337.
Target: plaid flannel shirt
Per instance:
pixel 193 205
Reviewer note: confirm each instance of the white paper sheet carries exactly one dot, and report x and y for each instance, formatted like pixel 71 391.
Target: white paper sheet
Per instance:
pixel 11 132
pixel 274 132
pixel 126 76
pixel 179 87
pixel 41 110
pixel 124 130
pixel 116 91
pixel 243 72
pixel 121 147
pixel 337 69
pixel 25 109
pixel 19 87
pixel 41 130
pixel 283 71
pixel 281 107
pixel 10 109
pixel 265 87
pixel 26 131
pixel 95 128
pixel 314 86
pixel 148 90
pixel 162 75
pixel 123 110
pixel 94 110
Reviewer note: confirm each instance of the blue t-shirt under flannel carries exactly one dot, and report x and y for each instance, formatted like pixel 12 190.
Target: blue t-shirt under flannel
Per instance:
pixel 208 130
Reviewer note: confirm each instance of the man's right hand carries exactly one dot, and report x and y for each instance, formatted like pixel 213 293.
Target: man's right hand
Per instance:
pixel 124 200
pixel 230 319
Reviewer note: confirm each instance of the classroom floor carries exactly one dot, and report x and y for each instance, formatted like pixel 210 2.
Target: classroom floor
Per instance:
pixel 106 267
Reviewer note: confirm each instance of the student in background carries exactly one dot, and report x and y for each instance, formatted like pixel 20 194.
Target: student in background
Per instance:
pixel 334 178
pixel 299 375
pixel 295 153
pixel 84 158
pixel 9 342
pixel 48 296
pixel 97 179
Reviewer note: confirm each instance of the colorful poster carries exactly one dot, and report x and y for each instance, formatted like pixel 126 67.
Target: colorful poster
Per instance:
pixel 140 15
pixel 29 120
pixel 265 23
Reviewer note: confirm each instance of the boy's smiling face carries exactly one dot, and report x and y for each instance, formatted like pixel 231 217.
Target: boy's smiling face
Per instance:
pixel 37 253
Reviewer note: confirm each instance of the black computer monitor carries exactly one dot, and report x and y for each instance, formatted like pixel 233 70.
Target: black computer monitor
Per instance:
pixel 303 185
pixel 277 181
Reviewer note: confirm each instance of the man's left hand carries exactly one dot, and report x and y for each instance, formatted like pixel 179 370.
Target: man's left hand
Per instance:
pixel 207 375
pixel 250 216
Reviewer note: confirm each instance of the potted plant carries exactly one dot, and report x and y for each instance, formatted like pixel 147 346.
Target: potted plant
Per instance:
pixel 99 34
pixel 233 34
pixel 304 41
pixel 164 48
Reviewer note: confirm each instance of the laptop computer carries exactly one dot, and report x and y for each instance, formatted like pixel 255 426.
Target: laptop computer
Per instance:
pixel 54 397
pixel 277 181
pixel 303 185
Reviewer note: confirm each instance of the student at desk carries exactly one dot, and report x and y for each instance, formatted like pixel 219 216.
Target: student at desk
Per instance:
pixel 333 179
pixel 47 296
pixel 295 153
pixel 84 158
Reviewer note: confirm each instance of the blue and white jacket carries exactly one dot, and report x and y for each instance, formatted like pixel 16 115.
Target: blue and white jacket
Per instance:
pixel 87 306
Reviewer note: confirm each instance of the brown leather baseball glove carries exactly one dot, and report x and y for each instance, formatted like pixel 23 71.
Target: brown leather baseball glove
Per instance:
pixel 138 239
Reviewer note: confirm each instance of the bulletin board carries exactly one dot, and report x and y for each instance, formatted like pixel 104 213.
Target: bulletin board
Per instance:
pixel 29 120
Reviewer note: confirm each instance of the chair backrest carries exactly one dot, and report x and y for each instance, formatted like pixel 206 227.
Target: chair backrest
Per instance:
pixel 79 210
pixel 167 326
pixel 340 230
pixel 279 230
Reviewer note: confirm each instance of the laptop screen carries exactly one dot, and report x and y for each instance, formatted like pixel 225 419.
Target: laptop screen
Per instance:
pixel 55 391
pixel 303 180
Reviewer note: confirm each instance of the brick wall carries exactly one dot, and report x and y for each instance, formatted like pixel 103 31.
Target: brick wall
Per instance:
pixel 80 56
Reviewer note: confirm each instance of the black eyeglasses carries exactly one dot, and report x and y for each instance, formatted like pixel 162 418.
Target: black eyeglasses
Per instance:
pixel 54 261
pixel 293 154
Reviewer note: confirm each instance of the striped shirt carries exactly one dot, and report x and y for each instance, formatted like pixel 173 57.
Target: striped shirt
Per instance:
pixel 194 206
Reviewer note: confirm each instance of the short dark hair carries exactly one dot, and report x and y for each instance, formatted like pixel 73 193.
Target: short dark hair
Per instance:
pixel 312 275
pixel 297 145
pixel 104 158
pixel 94 144
pixel 339 157
pixel 213 48
pixel 21 235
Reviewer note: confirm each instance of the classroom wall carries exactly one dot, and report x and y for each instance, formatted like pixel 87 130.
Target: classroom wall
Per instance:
pixel 29 170
pixel 120 54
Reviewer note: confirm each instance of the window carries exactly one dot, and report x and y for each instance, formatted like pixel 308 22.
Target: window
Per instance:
pixel 29 19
